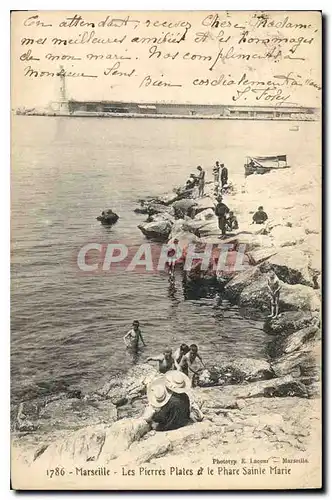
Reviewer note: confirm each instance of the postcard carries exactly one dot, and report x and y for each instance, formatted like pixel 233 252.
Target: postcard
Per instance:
pixel 166 230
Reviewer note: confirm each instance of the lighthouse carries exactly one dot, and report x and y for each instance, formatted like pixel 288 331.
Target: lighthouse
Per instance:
pixel 63 101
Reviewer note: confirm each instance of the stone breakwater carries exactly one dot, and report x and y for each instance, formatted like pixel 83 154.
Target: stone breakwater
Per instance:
pixel 248 404
pixel 289 244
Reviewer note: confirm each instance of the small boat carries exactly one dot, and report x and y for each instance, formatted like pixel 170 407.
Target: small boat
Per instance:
pixel 108 217
pixel 295 128
pixel 264 164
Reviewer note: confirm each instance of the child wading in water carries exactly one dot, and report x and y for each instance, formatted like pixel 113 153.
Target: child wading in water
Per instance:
pixel 133 337
pixel 274 286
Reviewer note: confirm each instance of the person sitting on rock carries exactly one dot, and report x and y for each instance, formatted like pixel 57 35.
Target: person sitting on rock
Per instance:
pixel 274 286
pixel 192 181
pixel 165 360
pixel 132 338
pixel 188 360
pixel 231 222
pixel 169 403
pixel 179 353
pixel 260 216
pixel 221 210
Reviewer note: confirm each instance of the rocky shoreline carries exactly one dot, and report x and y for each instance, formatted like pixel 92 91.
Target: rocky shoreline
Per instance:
pixel 245 401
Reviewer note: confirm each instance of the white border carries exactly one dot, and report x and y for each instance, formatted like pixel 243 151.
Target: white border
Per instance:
pixel 5 7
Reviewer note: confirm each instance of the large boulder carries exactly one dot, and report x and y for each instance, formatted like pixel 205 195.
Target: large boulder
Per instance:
pixel 205 214
pixel 290 321
pixel 203 204
pixel 256 295
pixel 179 194
pixel 235 287
pixel 203 228
pixel 108 217
pixel 184 207
pixel 235 371
pixel 249 369
pixel 291 266
pixel 304 362
pixel 165 216
pixel 292 297
pixel 158 230
pixel 295 341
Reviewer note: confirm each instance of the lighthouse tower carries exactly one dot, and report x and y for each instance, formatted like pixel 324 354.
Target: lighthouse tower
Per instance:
pixel 63 101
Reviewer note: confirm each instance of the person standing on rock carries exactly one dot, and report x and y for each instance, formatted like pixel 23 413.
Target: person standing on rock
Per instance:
pixel 165 361
pixel 132 338
pixel 221 211
pixel 216 175
pixel 224 175
pixel 274 286
pixel 201 181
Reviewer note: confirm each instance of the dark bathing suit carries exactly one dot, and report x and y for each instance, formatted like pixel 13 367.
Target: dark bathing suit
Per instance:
pixel 174 414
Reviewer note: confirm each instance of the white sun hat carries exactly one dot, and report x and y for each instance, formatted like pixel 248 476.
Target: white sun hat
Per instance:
pixel 157 393
pixel 177 381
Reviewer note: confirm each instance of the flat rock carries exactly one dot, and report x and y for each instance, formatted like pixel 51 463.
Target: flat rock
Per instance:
pixel 80 446
pixel 289 322
pixel 161 443
pixel 288 236
pixel 74 413
pixel 275 387
pixel 257 256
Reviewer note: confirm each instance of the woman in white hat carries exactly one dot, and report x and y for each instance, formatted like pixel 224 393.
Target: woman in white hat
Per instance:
pixel 169 400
